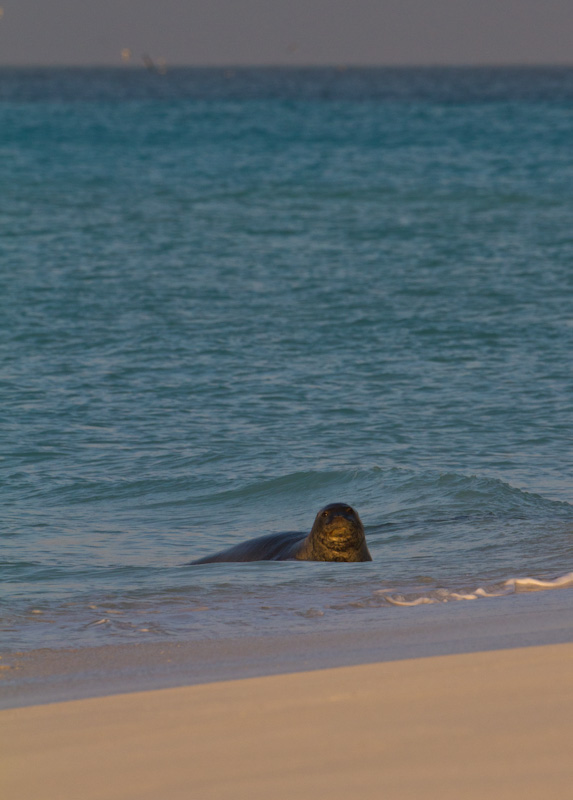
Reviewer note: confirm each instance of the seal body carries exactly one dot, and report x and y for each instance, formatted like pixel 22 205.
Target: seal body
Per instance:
pixel 337 535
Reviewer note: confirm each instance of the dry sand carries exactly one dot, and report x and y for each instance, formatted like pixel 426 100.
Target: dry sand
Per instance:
pixel 468 726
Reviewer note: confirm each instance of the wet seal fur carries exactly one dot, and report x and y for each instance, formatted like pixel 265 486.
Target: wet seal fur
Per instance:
pixel 337 535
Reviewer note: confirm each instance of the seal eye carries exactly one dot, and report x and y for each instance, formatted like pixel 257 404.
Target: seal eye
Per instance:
pixel 349 510
pixel 324 514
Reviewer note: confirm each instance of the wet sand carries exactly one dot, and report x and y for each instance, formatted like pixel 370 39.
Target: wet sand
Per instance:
pixel 497 723
pixel 53 675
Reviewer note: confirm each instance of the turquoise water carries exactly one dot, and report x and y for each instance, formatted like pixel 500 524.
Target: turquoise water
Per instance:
pixel 228 298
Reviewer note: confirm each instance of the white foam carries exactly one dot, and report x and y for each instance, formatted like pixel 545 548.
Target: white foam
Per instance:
pixel 458 596
pixel 481 592
pixel 398 600
pixel 535 585
pixel 511 586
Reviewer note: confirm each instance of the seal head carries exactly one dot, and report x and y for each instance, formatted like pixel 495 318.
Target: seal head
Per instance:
pixel 337 535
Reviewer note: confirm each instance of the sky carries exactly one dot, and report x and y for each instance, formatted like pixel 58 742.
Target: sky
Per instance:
pixel 297 32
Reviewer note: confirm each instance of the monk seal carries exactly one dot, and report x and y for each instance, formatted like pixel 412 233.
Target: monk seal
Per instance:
pixel 337 535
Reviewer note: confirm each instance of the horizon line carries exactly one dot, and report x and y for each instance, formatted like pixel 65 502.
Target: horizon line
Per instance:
pixel 340 67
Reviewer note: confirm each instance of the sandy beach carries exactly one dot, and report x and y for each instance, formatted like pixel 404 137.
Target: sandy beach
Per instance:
pixel 496 723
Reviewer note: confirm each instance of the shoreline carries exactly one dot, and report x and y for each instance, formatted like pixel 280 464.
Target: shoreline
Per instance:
pixel 471 725
pixel 46 675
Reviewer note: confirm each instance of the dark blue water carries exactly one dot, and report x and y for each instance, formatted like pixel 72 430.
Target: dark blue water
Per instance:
pixel 228 298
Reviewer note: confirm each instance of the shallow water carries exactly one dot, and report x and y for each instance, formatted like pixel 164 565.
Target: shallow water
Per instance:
pixel 229 298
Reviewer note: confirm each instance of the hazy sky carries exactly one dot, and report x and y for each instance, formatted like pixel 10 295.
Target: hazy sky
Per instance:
pixel 287 31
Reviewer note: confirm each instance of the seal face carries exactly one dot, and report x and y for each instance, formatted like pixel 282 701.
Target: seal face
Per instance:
pixel 337 535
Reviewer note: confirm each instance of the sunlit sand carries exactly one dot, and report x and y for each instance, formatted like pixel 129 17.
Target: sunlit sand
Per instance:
pixel 493 724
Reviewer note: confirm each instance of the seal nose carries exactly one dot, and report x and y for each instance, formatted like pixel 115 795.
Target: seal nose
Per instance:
pixel 347 513
pixel 343 514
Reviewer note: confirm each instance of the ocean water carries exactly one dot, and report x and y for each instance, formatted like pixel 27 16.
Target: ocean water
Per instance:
pixel 229 297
